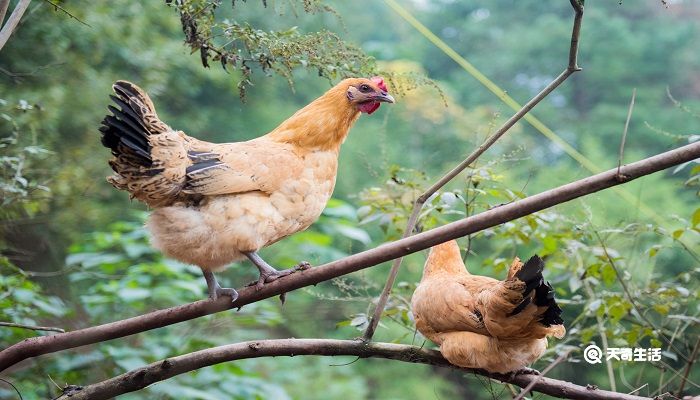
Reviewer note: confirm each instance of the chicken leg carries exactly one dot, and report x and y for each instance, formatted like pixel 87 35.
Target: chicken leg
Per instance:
pixel 268 273
pixel 215 290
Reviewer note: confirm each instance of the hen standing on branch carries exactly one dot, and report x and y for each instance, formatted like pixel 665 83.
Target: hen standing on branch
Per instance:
pixel 481 322
pixel 218 203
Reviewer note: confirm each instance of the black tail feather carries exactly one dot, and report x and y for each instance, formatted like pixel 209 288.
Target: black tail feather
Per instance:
pixel 531 274
pixel 544 296
pixel 124 131
pixel 125 107
pixel 125 90
pixel 138 131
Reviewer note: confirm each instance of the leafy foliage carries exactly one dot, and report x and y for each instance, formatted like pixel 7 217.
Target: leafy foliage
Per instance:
pixel 609 279
pixel 240 46
pixel 21 180
pixel 78 255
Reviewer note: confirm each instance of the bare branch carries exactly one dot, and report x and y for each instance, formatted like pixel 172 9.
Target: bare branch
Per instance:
pixel 624 131
pixel 3 10
pixel 418 205
pixel 688 367
pixel 603 337
pixel 6 381
pixel 48 344
pixel 32 327
pixel 164 369
pixel 12 22
pixel 58 7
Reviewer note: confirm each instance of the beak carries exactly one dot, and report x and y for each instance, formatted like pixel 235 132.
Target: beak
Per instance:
pixel 384 97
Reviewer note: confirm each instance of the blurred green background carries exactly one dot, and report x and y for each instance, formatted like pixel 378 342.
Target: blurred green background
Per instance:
pixel 75 254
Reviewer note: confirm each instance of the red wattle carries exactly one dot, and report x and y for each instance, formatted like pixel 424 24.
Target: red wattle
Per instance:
pixel 368 107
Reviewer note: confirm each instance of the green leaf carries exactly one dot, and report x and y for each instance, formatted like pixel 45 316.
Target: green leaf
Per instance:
pixel 695 220
pixel 632 335
pixel 616 312
pixel 127 364
pixel 595 305
pixel 340 209
pixel 359 321
pixel 683 291
pixel 574 283
pixel 661 308
pixel 608 274
pixel 550 244
pixel 131 294
pixel 354 233
pixel 653 250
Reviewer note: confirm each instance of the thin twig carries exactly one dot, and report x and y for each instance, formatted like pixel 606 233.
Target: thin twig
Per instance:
pixel 667 367
pixel 170 367
pixel 32 327
pixel 687 368
pixel 418 205
pixel 58 7
pixel 10 383
pixel 12 22
pixel 542 374
pixel 48 344
pixel 639 388
pixel 603 338
pixel 624 131
pixel 3 10
pixel 21 75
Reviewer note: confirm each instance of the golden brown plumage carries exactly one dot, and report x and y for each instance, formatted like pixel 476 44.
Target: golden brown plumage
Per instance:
pixel 481 322
pixel 218 203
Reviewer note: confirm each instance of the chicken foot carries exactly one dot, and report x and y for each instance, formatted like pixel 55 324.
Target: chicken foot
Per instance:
pixel 215 290
pixel 268 273
pixel 523 371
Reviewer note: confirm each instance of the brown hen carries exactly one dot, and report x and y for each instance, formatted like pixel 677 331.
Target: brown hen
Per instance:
pixel 218 203
pixel 481 322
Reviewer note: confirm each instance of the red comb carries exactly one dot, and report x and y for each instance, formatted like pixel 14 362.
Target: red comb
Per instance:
pixel 380 82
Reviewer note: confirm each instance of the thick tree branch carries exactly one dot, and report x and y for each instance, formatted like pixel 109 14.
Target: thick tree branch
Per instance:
pixel 420 201
pixel 527 389
pixel 48 344
pixel 170 367
pixel 12 22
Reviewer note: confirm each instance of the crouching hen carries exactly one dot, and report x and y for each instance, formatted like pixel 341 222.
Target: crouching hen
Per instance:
pixel 481 322
pixel 218 203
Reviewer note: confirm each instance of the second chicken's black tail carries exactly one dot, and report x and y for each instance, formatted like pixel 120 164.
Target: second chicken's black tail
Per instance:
pixel 531 274
pixel 544 296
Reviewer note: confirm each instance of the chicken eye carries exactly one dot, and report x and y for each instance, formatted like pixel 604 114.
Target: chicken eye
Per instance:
pixel 365 88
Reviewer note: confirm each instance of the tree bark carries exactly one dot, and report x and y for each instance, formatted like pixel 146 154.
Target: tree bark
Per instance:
pixel 48 344
pixel 170 367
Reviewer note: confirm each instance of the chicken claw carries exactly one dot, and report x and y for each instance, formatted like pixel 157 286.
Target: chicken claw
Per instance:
pixel 269 274
pixel 304 265
pixel 215 290
pixel 523 371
